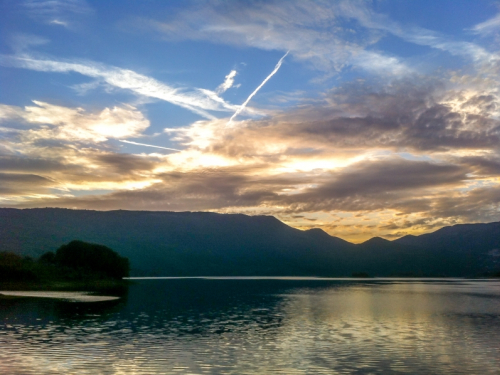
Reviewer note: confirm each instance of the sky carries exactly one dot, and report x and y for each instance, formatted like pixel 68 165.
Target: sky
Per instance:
pixel 362 118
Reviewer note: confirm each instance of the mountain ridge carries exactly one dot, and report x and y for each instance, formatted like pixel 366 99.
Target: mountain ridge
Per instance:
pixel 161 243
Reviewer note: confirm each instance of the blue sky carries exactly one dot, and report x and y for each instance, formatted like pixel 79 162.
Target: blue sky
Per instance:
pixel 372 117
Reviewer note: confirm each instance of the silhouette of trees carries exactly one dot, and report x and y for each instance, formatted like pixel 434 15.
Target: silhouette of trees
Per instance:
pixel 48 258
pixel 16 268
pixel 74 261
pixel 90 258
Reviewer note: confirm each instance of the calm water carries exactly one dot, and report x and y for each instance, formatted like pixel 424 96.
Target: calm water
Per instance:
pixel 213 326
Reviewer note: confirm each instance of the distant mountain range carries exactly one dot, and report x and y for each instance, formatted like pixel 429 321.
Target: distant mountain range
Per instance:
pixel 202 244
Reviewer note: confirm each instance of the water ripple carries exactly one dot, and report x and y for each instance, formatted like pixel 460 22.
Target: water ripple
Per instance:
pixel 260 327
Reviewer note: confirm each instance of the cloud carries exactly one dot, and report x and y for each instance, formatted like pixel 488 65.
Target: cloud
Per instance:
pixel 58 22
pixel 228 82
pixel 69 145
pixel 56 12
pixel 314 32
pixel 15 184
pixel 19 164
pixel 404 116
pixel 319 32
pixel 198 101
pixel 488 27
pixel 421 36
pixel 364 187
pixel 73 124
pixel 23 42
pixel 73 170
pixel 123 164
pixel 387 176
pixel 376 63
pixel 482 166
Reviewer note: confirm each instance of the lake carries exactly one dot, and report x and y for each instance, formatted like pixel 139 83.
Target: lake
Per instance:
pixel 260 326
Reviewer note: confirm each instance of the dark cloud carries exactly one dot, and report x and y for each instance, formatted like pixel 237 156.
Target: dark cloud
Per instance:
pixel 482 166
pixel 73 166
pixel 441 128
pixel 386 176
pixel 402 116
pixel 480 204
pixel 31 165
pixel 18 184
pixel 364 186
pixel 124 163
pixel 360 187
pixel 372 186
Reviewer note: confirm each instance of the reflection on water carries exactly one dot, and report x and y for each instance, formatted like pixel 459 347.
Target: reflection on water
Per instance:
pixel 259 327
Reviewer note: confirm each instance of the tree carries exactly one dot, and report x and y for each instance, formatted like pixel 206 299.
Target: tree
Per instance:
pixel 48 258
pixel 93 259
pixel 16 268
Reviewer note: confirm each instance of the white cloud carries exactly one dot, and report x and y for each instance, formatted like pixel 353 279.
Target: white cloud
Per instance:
pixel 10 112
pixel 416 35
pixel 74 124
pixel 84 88
pixel 51 7
pixel 58 22
pixel 228 82
pixel 22 42
pixel 458 48
pixel 56 12
pixel 197 101
pixel 311 31
pixel 488 27
pixel 376 63
pixel 316 32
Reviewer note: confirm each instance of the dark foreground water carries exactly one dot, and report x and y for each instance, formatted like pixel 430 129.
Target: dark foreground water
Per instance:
pixel 207 326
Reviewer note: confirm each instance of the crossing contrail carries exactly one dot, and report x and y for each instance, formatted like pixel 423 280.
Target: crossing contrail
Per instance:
pixel 144 144
pixel 242 107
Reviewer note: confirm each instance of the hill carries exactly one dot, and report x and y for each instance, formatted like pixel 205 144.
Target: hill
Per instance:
pixel 467 248
pixel 201 243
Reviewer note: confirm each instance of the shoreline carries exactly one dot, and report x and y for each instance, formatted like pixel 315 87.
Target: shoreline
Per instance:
pixel 60 295
pixel 306 278
pixel 118 287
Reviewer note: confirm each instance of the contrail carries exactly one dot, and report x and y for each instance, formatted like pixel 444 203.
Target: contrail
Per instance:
pixel 242 107
pixel 143 144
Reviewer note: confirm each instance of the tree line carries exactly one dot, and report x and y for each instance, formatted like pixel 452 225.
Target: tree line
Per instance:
pixel 76 260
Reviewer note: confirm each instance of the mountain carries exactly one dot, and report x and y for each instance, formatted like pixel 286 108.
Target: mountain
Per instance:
pixel 468 248
pixel 462 237
pixel 202 243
